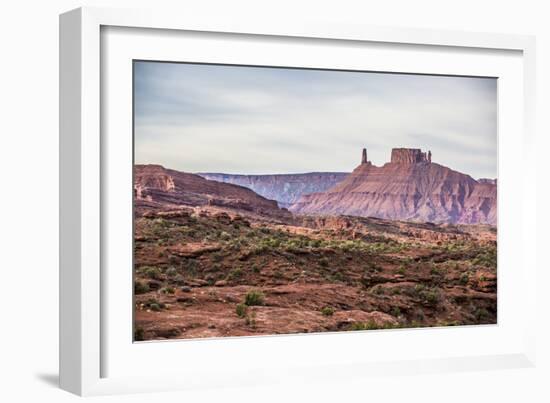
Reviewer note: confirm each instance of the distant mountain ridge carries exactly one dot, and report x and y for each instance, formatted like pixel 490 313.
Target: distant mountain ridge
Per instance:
pixel 286 189
pixel 410 187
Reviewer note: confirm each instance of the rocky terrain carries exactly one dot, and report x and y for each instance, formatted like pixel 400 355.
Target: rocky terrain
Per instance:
pixel 285 189
pixel 409 187
pixel 215 259
pixel 210 272
pixel 158 188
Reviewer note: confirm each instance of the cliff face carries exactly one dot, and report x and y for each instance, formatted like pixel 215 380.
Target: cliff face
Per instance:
pixel 286 189
pixel 410 187
pixel 161 188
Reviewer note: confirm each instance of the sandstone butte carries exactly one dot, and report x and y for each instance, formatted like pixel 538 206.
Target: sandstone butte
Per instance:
pixel 159 188
pixel 409 187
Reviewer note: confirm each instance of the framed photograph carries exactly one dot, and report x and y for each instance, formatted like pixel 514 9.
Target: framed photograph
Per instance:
pixel 242 201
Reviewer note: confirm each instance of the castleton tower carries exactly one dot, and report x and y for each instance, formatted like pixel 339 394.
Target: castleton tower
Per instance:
pixel 364 157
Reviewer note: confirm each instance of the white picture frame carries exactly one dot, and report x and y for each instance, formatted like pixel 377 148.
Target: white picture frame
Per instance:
pixel 93 350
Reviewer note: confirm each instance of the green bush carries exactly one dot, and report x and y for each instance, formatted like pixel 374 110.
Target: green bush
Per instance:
pixel 154 305
pixel 168 290
pixel 254 298
pixel 327 311
pixel 432 297
pixel 235 274
pixel 153 273
pixel 171 272
pixel 140 288
pixel 241 310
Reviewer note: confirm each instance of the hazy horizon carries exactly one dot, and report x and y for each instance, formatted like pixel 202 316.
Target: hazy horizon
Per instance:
pixel 256 120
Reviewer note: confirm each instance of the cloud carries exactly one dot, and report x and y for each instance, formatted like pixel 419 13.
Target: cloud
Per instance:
pixel 200 118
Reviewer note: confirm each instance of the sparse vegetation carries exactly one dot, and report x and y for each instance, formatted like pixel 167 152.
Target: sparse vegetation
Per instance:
pixel 327 311
pixel 235 274
pixel 201 264
pixel 254 298
pixel 168 290
pixel 241 310
pixel 140 287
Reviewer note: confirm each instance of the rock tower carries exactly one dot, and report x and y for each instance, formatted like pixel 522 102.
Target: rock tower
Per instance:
pixel 364 157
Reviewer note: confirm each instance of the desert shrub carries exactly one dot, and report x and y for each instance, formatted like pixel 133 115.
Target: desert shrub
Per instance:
pixel 190 266
pixel 337 276
pixel 432 297
pixel 240 310
pixel 153 273
pixel 428 296
pixel 486 257
pixel 256 269
pixel 168 290
pixel 235 274
pixel 140 288
pixel 401 270
pixel 254 298
pixel 154 305
pixel 323 262
pixel 315 243
pixel 171 272
pixel 327 311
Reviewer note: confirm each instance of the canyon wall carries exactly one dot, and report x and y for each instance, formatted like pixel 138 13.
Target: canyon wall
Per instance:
pixel 286 189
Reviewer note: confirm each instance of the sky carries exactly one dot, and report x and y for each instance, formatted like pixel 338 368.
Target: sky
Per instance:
pixel 259 120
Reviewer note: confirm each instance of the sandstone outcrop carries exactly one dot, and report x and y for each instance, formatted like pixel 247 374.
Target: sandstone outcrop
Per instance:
pixel 410 187
pixel 156 187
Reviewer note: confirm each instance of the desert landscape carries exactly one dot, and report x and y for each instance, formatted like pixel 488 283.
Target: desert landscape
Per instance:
pixel 410 243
